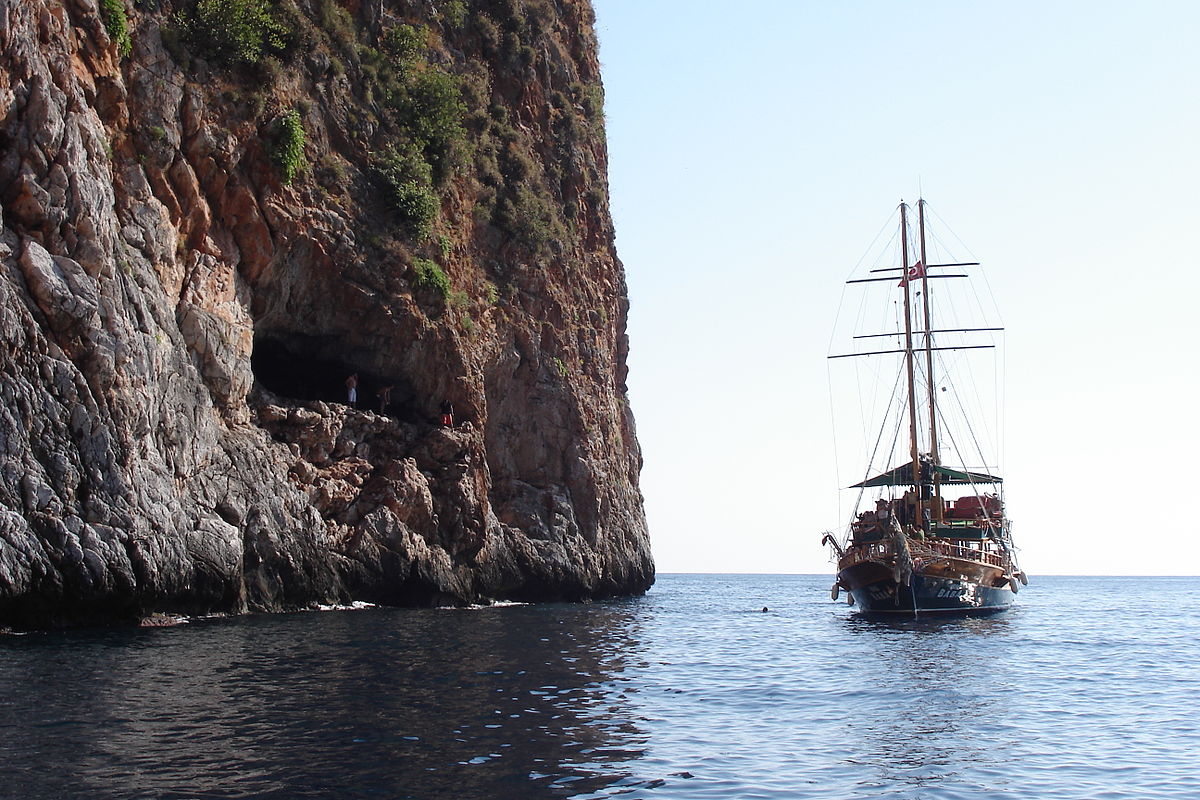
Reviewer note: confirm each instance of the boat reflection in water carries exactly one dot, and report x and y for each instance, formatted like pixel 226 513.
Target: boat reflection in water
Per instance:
pixel 936 711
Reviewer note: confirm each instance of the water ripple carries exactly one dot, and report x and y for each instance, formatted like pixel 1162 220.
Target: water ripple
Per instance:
pixel 690 692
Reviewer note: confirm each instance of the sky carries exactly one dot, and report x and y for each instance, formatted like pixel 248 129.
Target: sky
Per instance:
pixel 755 151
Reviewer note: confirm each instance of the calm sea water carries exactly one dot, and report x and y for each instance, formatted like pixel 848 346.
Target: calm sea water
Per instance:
pixel 1090 688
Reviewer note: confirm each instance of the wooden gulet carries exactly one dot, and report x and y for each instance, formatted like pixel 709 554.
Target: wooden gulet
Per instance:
pixel 922 552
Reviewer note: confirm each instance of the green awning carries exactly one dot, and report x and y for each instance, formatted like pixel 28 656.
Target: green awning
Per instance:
pixel 902 476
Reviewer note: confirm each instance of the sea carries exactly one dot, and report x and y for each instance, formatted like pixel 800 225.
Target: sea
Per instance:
pixel 709 686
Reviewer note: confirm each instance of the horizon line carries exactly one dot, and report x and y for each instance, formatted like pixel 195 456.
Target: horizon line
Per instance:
pixel 1042 575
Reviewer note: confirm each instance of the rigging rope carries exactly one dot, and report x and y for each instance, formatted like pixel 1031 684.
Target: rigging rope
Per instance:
pixel 833 427
pixel 962 409
pixel 874 452
pixel 888 223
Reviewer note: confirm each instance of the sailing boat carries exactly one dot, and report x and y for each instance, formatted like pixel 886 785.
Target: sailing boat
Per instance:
pixel 938 538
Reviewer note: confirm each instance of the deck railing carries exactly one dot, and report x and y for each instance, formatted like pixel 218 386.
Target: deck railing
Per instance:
pixel 927 550
pixel 934 549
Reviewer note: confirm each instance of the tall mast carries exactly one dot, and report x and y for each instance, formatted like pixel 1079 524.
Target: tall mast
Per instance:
pixel 908 349
pixel 933 440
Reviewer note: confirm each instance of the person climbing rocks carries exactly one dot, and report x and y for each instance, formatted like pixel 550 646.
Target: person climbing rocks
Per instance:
pixel 447 414
pixel 385 397
pixel 352 390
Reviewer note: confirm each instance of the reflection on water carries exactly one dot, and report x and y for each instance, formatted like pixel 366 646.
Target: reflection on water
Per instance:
pixel 388 703
pixel 940 697
pixel 1088 689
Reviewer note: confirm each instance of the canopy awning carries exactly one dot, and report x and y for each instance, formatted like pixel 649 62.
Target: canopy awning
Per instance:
pixel 902 476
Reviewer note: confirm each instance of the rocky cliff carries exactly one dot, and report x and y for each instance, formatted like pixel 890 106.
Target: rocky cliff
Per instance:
pixel 214 213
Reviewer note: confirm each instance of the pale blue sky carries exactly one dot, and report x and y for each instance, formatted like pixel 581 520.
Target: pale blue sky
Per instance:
pixel 756 149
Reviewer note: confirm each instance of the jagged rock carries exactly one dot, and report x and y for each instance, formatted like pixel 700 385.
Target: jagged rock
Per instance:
pixel 176 326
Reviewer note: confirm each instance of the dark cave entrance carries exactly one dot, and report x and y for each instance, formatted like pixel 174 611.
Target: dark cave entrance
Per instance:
pixel 303 368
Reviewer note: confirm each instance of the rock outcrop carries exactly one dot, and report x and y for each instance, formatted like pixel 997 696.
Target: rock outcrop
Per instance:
pixel 200 244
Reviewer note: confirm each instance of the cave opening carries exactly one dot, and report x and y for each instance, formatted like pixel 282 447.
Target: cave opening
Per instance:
pixel 303 368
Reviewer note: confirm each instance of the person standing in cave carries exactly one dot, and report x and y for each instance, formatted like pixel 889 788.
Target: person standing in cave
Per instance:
pixel 352 390
pixel 447 414
pixel 385 397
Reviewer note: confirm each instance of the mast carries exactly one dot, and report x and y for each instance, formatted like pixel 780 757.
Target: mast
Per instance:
pixel 933 440
pixel 908 350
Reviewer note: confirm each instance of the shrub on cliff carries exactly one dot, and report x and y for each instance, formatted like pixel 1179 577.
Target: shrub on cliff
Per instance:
pixel 418 207
pixel 529 217
pixel 404 44
pixel 432 110
pixel 591 97
pixel 288 149
pixel 233 31
pixel 117 24
pixel 408 179
pixel 338 23
pixel 523 206
pixel 428 275
pixel 420 101
pixel 454 12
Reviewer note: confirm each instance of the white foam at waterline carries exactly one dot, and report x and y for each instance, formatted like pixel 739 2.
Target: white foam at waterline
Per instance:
pixel 163 621
pixel 356 605
pixel 479 606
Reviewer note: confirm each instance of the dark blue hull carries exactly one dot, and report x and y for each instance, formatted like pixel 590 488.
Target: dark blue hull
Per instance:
pixel 930 594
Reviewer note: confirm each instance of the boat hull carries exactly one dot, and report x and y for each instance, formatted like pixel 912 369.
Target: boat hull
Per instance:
pixel 875 591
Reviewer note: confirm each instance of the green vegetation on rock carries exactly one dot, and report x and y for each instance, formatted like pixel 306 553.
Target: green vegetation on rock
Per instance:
pixel 288 150
pixel 408 179
pixel 404 44
pixel 433 110
pixel 421 113
pixel 454 12
pixel 232 31
pixel 117 24
pixel 427 96
pixel 591 97
pixel 428 275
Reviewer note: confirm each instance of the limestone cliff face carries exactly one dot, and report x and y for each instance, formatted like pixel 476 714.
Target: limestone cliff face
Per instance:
pixel 200 244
